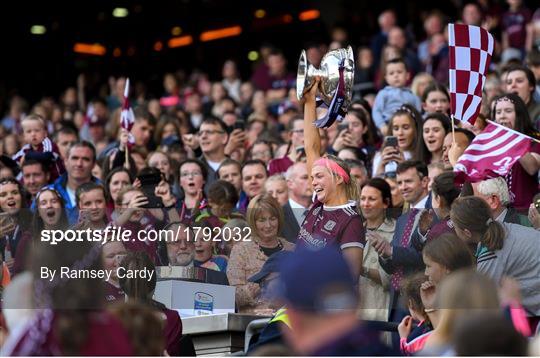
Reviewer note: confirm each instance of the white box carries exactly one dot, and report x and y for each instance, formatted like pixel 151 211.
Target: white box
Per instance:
pixel 195 298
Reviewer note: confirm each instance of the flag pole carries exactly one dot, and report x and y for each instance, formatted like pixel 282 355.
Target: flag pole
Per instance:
pixel 126 164
pixel 453 131
pixel 126 97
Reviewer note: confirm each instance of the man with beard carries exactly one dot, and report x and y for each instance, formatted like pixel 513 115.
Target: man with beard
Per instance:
pixel 180 251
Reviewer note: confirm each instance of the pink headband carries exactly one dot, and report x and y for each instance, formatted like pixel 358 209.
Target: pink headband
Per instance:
pixel 334 167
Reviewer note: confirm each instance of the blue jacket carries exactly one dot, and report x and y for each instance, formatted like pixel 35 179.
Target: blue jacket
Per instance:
pixel 388 101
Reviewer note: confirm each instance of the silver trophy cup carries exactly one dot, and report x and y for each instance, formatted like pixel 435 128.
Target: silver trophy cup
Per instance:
pixel 329 73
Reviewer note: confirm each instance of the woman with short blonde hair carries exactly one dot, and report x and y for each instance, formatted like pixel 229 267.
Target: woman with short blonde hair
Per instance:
pixel 265 218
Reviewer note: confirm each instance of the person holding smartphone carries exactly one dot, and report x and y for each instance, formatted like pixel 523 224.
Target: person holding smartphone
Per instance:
pixel 354 132
pixel 296 141
pixel 404 127
pixel 133 215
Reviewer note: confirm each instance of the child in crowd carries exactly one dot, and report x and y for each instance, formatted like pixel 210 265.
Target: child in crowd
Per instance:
pixel 412 339
pixel 222 198
pixel 394 95
pixel 38 145
pixel 205 250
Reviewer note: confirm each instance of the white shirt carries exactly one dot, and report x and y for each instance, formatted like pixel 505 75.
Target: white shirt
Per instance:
pixel 71 194
pixel 421 204
pixel 502 216
pixel 298 211
pixel 213 165
pixel 196 120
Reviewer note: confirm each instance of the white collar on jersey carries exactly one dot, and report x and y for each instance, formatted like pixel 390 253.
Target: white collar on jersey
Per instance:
pixel 350 204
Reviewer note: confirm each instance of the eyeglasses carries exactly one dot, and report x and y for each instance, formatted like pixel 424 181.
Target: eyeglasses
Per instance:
pixel 297 131
pixel 190 174
pixel 208 132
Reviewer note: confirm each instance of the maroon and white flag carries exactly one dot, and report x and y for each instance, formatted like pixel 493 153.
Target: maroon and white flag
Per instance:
pixel 470 50
pixel 127 117
pixel 491 154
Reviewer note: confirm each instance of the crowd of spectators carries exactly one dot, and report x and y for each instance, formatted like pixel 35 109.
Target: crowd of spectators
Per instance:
pixel 242 155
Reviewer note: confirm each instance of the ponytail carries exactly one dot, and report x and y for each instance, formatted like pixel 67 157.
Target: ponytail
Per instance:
pixel 474 214
pixel 494 236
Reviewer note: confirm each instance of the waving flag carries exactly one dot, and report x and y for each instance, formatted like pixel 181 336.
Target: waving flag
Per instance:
pixel 127 117
pixel 491 154
pixel 470 48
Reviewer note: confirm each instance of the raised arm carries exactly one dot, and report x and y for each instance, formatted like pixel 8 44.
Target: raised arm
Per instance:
pixel 312 138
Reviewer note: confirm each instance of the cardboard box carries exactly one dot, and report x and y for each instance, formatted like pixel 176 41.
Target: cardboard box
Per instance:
pixel 195 298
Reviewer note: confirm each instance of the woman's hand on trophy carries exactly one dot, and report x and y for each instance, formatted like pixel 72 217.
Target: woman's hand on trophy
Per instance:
pixel 311 93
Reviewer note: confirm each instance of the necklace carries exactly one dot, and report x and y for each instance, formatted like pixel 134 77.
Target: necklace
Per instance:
pixel 279 245
pixel 375 228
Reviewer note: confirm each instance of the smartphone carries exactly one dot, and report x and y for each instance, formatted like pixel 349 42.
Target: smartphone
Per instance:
pixel 153 201
pixel 342 127
pixel 240 124
pixel 152 179
pixel 301 150
pixel 148 187
pixel 391 141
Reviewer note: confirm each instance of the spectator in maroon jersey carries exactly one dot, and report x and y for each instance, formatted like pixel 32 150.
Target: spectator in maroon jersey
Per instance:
pixel 71 319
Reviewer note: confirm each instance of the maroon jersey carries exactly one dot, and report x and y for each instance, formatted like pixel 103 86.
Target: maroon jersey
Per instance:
pixel 46 151
pixel 332 225
pixel 173 332
pixel 521 184
pixel 113 293
pixel 105 337
pixel 279 165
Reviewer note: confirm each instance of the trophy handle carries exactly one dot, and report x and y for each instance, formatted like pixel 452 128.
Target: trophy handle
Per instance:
pixel 302 75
